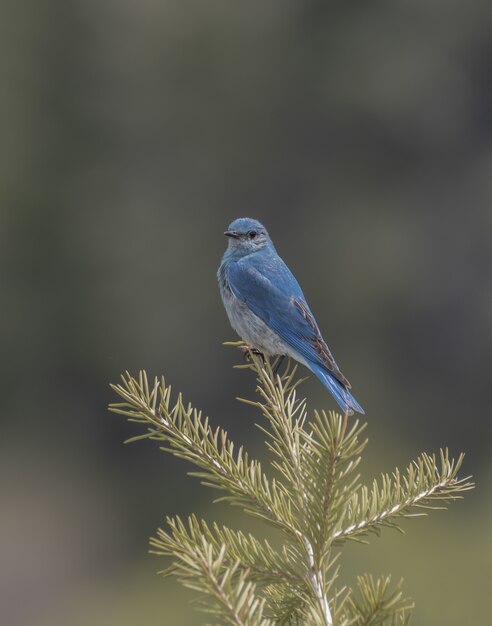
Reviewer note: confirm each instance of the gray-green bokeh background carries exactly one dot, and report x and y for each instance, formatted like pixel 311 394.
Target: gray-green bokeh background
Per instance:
pixel 132 133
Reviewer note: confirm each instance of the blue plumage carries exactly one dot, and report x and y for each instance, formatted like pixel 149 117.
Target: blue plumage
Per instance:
pixel 268 310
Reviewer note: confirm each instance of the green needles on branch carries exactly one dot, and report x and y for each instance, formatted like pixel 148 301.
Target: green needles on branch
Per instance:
pixel 313 496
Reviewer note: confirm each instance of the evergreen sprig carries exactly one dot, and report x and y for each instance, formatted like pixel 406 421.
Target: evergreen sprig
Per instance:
pixel 314 497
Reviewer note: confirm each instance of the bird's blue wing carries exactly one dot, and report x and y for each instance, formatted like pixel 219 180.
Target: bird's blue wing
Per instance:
pixel 273 294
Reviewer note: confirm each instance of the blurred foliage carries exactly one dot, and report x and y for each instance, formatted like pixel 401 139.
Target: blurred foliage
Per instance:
pixel 132 134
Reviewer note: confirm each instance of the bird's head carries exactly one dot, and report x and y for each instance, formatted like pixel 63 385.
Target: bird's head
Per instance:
pixel 246 235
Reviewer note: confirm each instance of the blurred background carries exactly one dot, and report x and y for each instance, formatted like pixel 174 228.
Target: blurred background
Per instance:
pixel 132 133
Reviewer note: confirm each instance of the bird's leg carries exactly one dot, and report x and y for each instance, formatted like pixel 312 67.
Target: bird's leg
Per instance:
pixel 280 360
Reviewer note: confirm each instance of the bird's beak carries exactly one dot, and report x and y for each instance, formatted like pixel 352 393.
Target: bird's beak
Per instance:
pixel 231 233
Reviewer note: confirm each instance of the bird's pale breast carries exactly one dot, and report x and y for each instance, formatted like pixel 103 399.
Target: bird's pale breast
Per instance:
pixel 248 325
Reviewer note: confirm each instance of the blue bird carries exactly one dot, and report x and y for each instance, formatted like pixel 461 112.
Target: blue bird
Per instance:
pixel 268 310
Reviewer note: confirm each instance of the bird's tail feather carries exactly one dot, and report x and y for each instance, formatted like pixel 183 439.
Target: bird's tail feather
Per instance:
pixel 344 398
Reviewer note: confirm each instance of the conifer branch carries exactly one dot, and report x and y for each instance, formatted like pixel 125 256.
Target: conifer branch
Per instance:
pixel 188 435
pixel 264 564
pixel 376 603
pixel 398 496
pixel 290 444
pixel 200 566
pixel 316 500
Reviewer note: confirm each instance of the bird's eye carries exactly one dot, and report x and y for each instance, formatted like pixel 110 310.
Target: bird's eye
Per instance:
pixel 252 234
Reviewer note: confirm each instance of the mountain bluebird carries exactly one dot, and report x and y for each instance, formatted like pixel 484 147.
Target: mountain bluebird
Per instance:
pixel 268 310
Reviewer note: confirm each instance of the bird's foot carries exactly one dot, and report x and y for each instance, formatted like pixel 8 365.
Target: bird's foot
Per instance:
pixel 248 350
